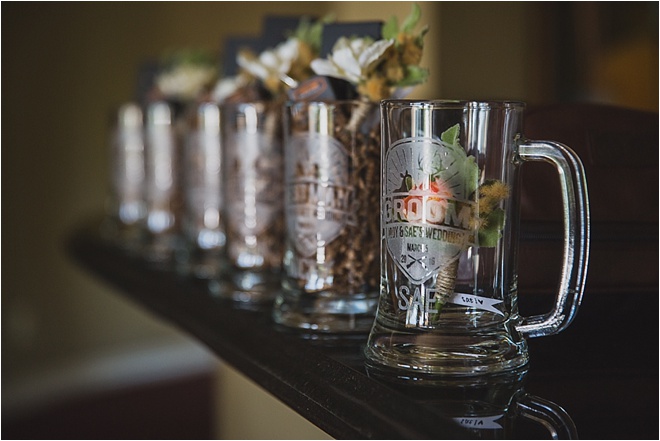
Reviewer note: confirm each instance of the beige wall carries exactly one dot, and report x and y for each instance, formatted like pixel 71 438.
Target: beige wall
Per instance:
pixel 66 65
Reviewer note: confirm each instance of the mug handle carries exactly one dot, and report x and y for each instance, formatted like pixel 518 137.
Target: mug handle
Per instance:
pixel 576 235
pixel 550 415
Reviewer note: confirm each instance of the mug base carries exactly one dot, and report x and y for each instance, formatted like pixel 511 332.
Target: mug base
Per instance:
pixel 428 357
pixel 252 290
pixel 200 264
pixel 325 311
pixel 159 250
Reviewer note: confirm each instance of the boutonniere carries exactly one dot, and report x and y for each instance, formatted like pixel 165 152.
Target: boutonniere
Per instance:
pixel 185 75
pixel 383 68
pixel 280 68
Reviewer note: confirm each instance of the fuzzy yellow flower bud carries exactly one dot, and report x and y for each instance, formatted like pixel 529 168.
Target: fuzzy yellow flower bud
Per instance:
pixel 273 85
pixel 374 88
pixel 300 69
pixel 497 190
pixel 394 70
pixel 490 196
pixel 411 52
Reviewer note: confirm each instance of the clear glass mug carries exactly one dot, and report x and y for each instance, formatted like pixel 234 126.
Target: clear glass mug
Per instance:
pixel 449 222
pixel 332 175
pixel 253 205
pixel 125 207
pixel 162 193
pixel 203 242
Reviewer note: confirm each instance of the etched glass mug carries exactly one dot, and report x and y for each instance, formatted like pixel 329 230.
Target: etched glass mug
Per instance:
pixel 449 223
pixel 162 150
pixel 203 242
pixel 126 207
pixel 332 175
pixel 253 203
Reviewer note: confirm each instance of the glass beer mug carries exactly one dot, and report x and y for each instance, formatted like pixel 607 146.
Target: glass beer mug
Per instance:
pixel 253 203
pixel 161 226
pixel 449 224
pixel 126 209
pixel 331 258
pixel 203 242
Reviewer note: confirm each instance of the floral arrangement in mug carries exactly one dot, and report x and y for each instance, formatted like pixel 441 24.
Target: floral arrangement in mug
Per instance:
pixel 383 68
pixel 377 69
pixel 488 219
pixel 452 179
pixel 275 70
pixel 185 74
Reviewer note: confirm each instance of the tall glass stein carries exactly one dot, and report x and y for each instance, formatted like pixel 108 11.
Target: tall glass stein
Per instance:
pixel 449 225
pixel 162 185
pixel 202 219
pixel 254 204
pixel 125 207
pixel 331 261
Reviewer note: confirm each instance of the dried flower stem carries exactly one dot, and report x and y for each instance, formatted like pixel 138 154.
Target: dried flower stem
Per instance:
pixel 421 315
pixel 359 115
pixel 445 284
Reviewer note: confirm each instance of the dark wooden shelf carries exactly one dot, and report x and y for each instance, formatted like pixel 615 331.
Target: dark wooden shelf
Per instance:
pixel 603 370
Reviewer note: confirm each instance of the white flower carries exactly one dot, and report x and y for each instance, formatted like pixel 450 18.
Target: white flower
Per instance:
pixel 227 86
pixel 273 63
pixel 185 81
pixel 351 59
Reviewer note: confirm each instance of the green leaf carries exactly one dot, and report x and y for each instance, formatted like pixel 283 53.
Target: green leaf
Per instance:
pixel 450 136
pixel 174 58
pixel 411 20
pixel 311 32
pixel 492 232
pixel 420 37
pixel 409 182
pixel 467 165
pixel 414 75
pixel 390 29
pixel 471 173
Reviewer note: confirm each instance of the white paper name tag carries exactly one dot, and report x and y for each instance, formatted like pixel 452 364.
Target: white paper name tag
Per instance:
pixel 487 422
pixel 476 302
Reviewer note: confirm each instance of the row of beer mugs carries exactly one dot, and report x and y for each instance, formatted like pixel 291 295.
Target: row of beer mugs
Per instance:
pixel 209 192
pixel 397 218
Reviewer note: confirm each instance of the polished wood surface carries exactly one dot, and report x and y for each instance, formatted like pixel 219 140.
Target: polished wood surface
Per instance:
pixel 603 370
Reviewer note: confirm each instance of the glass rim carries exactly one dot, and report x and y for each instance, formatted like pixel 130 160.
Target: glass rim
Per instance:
pixel 239 106
pixel 290 103
pixel 454 104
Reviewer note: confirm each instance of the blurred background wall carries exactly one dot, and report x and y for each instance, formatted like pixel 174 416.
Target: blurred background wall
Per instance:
pixel 65 66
